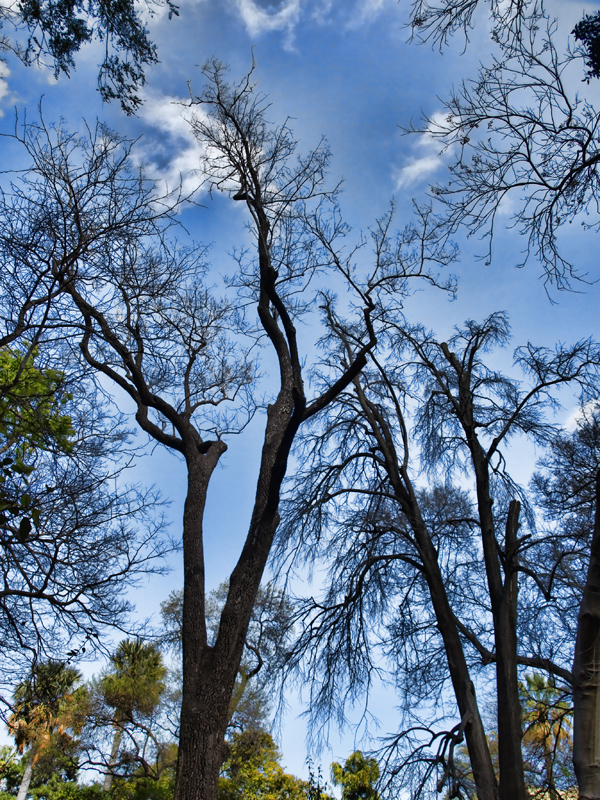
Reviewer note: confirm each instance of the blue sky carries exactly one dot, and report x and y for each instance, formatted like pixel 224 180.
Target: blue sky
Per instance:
pixel 339 69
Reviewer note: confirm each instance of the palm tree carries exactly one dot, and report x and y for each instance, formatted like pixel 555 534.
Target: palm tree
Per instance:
pixel 547 722
pixel 48 709
pixel 357 777
pixel 133 686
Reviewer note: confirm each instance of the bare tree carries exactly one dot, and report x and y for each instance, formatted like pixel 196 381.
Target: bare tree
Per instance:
pixel 519 134
pixel 568 492
pixel 140 315
pixel 395 550
pixel 438 22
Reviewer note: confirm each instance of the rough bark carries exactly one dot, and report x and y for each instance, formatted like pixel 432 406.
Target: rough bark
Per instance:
pixel 205 692
pixel 586 675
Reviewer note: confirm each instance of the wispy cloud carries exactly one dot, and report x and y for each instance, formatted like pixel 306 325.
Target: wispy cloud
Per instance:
pixel 4 90
pixel 261 20
pixel 365 11
pixel 428 158
pixel 170 152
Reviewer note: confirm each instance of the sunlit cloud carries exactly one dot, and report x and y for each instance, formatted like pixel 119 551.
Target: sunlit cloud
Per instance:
pixel 428 158
pixel 169 152
pixel 417 170
pixel 4 90
pixel 260 20
pixel 579 415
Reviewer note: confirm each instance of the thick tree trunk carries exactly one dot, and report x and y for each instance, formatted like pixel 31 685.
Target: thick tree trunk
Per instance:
pixel 203 722
pixel 586 675
pixel 27 775
pixel 209 673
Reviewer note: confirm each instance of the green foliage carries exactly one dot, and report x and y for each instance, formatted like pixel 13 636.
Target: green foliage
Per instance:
pixel 587 31
pixel 47 708
pixel 357 777
pixel 11 772
pixel 57 789
pixel 547 734
pixel 144 788
pixel 31 403
pixel 58 29
pixel 32 418
pixel 136 680
pixel 252 770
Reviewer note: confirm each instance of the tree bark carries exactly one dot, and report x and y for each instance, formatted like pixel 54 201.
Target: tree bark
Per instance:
pixel 209 673
pixel 503 598
pixel 204 694
pixel 464 690
pixel 108 778
pixel 586 675
pixel 27 775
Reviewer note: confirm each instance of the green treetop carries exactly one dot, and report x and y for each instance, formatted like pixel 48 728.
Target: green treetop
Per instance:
pixel 357 777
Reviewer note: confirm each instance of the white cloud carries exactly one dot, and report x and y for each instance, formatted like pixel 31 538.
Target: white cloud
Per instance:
pixel 258 20
pixel 172 154
pixel 420 166
pixel 416 170
pixel 366 10
pixel 4 90
pixel 579 414
pixel 321 11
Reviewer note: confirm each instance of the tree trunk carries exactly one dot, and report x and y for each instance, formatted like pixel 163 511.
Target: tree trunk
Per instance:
pixel 477 745
pixel 209 673
pixel 114 753
pixel 503 599
pixel 27 775
pixel 586 675
pixel 464 690
pixel 549 766
pixel 502 593
pixel 510 726
pixel 201 729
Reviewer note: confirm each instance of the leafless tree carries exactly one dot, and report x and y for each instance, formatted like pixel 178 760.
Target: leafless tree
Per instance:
pixel 438 22
pixel 138 311
pixel 521 137
pixel 433 575
pixel 568 491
